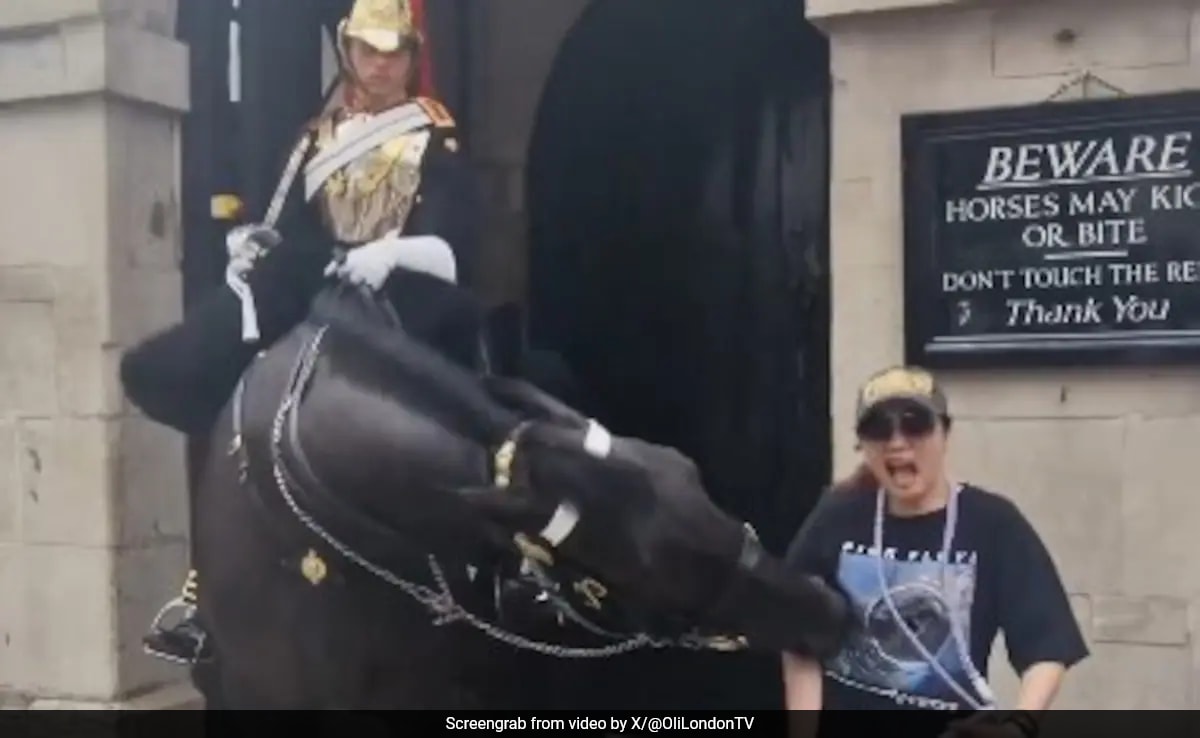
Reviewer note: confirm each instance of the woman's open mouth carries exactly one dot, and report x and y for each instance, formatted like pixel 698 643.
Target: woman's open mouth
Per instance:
pixel 902 473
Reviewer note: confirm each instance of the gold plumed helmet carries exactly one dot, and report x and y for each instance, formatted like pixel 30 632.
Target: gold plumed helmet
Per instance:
pixel 385 25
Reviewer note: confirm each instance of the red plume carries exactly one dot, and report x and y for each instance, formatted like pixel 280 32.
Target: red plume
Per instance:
pixel 425 85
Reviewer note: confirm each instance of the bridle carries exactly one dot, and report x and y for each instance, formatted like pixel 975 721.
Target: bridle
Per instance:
pixel 538 559
pixel 537 551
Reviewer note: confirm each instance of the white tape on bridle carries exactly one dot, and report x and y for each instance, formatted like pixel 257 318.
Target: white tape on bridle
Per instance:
pixel 561 524
pixel 598 441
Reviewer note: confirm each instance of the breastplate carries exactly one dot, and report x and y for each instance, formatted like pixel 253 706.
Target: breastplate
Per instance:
pixel 376 192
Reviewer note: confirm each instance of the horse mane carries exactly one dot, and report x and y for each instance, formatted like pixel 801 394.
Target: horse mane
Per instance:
pixel 362 321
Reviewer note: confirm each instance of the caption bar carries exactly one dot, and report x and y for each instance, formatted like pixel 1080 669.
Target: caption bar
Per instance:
pixel 630 724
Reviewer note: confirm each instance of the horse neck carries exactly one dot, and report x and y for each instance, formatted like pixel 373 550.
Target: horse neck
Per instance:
pixel 351 448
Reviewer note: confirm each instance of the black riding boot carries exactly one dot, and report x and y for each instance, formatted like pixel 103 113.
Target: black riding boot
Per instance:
pixel 185 642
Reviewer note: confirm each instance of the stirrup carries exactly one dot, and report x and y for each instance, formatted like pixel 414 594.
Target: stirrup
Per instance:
pixel 193 660
pixel 189 610
pixel 186 600
pixel 196 638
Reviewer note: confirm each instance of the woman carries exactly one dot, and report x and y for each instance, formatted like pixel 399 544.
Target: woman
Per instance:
pixel 959 564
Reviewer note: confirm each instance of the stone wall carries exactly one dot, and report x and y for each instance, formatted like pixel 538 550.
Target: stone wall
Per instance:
pixel 93 516
pixel 1100 459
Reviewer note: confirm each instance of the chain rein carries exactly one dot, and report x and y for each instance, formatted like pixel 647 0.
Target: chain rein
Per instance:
pixel 441 603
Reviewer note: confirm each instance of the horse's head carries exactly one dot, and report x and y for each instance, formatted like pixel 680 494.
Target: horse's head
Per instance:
pixel 636 517
pixel 449 455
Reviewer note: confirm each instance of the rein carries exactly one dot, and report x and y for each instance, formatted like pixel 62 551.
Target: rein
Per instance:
pixel 441 601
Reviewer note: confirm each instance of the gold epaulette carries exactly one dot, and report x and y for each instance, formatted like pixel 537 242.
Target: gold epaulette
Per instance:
pixel 322 130
pixel 311 128
pixel 437 112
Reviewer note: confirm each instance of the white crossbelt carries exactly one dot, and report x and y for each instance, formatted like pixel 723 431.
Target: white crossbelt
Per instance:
pixel 353 144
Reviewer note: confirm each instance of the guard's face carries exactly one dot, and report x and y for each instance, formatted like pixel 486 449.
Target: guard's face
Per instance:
pixel 904 444
pixel 384 76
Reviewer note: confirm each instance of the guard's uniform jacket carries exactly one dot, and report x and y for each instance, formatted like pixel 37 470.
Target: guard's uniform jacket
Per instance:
pixel 416 181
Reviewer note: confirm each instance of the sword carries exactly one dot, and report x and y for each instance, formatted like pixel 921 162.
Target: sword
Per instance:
pixel 234 280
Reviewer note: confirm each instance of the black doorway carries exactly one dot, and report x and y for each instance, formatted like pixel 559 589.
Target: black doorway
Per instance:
pixel 677 196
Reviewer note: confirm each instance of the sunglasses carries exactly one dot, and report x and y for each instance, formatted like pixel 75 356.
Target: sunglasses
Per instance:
pixel 911 422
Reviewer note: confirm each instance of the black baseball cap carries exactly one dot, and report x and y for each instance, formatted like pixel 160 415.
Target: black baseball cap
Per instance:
pixel 910 383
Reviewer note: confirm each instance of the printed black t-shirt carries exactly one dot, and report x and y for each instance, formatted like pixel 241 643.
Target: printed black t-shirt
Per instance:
pixel 1001 579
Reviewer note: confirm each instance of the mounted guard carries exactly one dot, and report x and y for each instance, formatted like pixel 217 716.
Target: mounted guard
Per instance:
pixel 375 192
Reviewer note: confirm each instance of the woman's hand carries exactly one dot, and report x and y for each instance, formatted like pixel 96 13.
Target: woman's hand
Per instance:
pixel 802 695
pixel 1039 687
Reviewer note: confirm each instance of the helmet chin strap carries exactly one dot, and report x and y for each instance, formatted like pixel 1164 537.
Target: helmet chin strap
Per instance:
pixel 360 101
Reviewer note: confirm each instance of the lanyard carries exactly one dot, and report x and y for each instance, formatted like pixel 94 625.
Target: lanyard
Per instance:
pixel 977 680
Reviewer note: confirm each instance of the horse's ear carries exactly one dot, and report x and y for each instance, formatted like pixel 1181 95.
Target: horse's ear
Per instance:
pixel 528 400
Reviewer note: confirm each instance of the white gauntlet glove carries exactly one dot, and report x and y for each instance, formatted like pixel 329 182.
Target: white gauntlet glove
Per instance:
pixel 246 243
pixel 370 265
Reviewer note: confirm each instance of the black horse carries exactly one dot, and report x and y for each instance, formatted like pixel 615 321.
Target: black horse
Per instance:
pixel 371 513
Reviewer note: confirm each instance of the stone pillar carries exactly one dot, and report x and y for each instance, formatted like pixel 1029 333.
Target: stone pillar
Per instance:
pixel 1101 460
pixel 93 514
